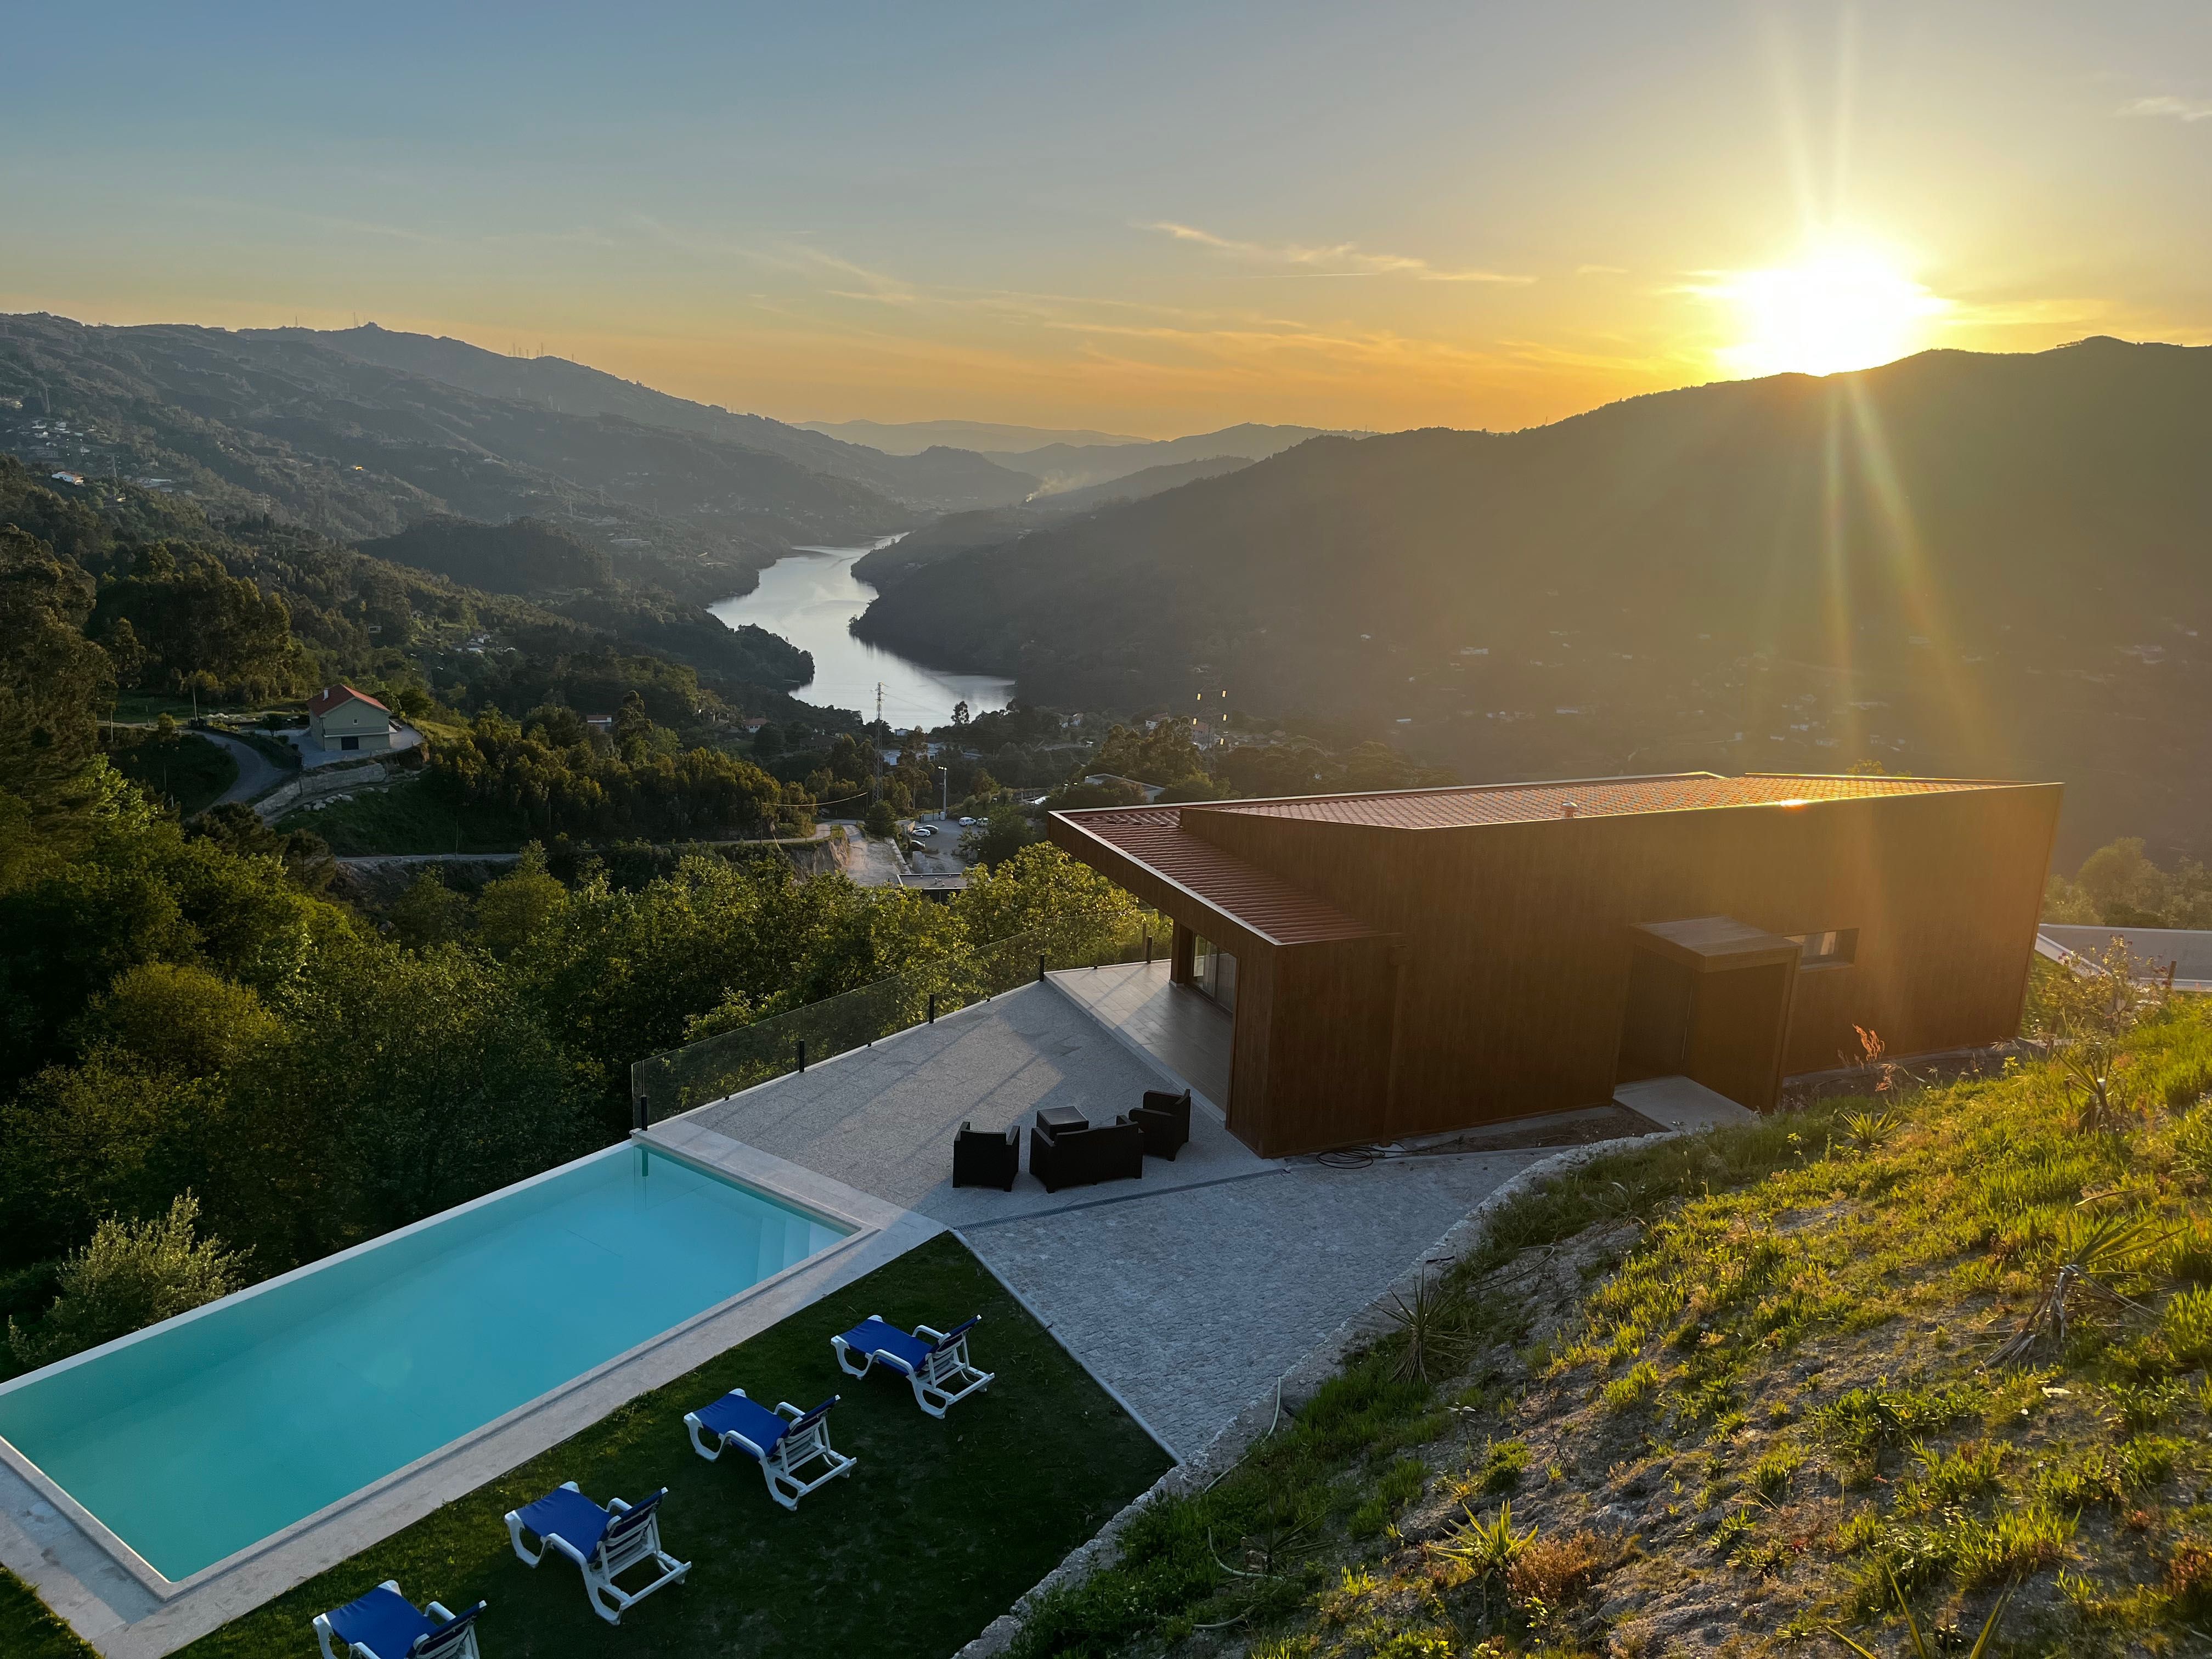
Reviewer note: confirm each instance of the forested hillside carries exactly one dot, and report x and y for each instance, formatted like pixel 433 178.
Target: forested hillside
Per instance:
pixel 1957 563
pixel 352 449
pixel 941 477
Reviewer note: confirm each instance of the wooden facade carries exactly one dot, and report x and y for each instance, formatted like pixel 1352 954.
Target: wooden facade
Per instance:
pixel 1424 961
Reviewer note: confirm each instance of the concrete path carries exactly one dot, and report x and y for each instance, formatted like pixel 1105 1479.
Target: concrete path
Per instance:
pixel 1191 1303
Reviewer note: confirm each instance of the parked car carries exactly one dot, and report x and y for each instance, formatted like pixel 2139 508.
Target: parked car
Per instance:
pixel 923 830
pixel 965 822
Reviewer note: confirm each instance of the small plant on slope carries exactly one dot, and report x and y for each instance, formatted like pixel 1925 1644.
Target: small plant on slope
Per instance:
pixel 1489 1548
pixel 1433 1328
pixel 2112 1248
pixel 1920 1647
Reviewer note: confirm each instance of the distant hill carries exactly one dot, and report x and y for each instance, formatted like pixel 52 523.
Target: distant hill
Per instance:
pixel 931 476
pixel 984 437
pixel 1957 562
pixel 966 533
pixel 1063 466
pixel 281 422
pixel 1136 486
pixel 521 556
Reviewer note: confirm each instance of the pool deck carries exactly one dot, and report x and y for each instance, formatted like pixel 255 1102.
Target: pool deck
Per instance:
pixel 1187 1292
pixel 127 1612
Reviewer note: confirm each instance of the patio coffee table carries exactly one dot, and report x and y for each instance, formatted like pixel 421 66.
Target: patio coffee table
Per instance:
pixel 1058 1119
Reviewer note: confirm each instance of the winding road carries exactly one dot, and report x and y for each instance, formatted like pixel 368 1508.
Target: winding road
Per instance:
pixel 257 774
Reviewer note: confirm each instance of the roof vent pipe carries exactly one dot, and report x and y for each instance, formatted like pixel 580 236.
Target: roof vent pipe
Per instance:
pixel 1569 809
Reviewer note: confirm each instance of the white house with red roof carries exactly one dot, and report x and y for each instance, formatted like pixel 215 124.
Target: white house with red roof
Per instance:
pixel 341 719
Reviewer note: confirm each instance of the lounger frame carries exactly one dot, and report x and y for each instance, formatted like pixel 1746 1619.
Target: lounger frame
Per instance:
pixel 945 1378
pixel 623 1546
pixel 806 1442
pixel 462 1647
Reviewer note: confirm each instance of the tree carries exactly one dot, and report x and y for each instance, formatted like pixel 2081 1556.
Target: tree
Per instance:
pixel 197 626
pixel 882 820
pixel 238 829
pixel 430 913
pixel 127 1278
pixel 1164 754
pixel 177 1017
pixel 511 910
pixel 1077 912
pixel 54 683
pixel 999 837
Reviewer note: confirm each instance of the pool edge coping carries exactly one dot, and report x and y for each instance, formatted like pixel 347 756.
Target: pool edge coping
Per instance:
pixel 186 1609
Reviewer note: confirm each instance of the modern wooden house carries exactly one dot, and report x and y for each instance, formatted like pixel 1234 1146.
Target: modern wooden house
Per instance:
pixel 1419 961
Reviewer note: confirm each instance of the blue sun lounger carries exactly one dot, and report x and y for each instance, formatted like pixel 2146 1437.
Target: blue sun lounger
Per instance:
pixel 602 1542
pixel 784 1441
pixel 386 1624
pixel 934 1362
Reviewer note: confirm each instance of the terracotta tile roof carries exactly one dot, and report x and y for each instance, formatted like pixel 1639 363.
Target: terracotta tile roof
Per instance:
pixel 1527 803
pixel 331 695
pixel 1265 904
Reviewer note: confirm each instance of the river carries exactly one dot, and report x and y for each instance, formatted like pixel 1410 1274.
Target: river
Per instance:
pixel 810 597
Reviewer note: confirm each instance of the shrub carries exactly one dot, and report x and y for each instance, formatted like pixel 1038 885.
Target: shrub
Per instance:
pixel 1770 1476
pixel 2189 1577
pixel 1638 1384
pixel 1502 1466
pixel 127 1278
pixel 1554 1570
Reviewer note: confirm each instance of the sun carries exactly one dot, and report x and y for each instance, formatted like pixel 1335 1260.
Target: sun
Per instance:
pixel 1838 308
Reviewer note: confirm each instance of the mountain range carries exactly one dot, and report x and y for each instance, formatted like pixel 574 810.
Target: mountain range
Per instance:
pixel 984 437
pixel 1957 562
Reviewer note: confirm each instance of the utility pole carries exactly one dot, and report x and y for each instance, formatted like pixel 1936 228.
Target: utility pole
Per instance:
pixel 944 777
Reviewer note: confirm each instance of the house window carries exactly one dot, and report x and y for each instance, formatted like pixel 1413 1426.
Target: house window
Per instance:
pixel 349 743
pixel 1833 949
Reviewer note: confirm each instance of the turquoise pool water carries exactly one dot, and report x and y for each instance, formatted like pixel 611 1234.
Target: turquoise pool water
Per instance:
pixel 209 1432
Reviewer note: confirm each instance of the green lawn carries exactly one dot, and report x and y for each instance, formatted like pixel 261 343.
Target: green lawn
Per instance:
pixel 932 1536
pixel 409 818
pixel 185 769
pixel 27 1631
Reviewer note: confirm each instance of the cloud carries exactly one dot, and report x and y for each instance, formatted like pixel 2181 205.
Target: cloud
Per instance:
pixel 1336 260
pixel 2187 109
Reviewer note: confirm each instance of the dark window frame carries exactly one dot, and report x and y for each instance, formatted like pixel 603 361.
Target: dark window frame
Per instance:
pixel 1836 947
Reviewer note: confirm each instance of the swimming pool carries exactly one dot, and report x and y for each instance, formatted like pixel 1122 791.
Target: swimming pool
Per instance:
pixel 202 1436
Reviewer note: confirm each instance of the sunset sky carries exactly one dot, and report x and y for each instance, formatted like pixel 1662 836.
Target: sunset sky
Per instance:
pixel 1152 219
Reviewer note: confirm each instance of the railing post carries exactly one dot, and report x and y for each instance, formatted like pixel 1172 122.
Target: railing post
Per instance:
pixel 1148 947
pixel 932 1007
pixel 802 1053
pixel 1040 966
pixel 638 1106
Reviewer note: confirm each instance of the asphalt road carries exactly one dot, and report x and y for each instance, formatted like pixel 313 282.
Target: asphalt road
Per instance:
pixel 257 774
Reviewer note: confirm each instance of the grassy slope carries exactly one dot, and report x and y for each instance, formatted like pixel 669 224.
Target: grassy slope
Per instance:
pixel 1737 1383
pixel 185 770
pixel 934 1533
pixel 27 1631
